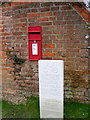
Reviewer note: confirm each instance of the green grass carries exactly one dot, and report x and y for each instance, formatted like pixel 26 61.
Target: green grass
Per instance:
pixel 28 110
pixel 31 109
pixel 76 110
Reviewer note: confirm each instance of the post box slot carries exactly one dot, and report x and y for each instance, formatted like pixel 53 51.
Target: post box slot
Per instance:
pixel 34 32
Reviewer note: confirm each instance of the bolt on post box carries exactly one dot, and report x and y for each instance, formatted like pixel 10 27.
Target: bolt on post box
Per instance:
pixel 35 42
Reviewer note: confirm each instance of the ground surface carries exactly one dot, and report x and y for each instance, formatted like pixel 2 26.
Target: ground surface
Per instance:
pixel 31 109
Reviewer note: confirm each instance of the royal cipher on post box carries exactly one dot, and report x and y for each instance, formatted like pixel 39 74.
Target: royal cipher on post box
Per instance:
pixel 35 42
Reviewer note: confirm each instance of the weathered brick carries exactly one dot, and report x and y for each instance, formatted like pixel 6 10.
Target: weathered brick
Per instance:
pixel 47 32
pixel 46 4
pixel 59 23
pixel 61 3
pixel 42 19
pixel 45 37
pixel 52 18
pixel 53 37
pixel 66 8
pixel 19 24
pixel 47 50
pixel 54 8
pixel 44 9
pixel 46 23
pixel 34 10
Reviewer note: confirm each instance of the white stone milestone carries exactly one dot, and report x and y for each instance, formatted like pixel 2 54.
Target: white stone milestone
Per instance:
pixel 51 92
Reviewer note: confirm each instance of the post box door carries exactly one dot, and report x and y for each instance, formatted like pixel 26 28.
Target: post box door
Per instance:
pixel 35 50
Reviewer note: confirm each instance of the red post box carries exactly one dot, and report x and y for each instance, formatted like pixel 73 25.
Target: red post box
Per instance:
pixel 35 42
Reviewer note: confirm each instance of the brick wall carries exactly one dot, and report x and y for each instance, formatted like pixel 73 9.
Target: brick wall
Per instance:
pixel 63 33
pixel 1 28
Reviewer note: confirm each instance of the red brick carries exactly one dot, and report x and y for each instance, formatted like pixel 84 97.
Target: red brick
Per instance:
pixel 54 8
pixel 5 34
pixel 47 41
pixel 61 3
pixel 66 8
pixel 47 50
pixel 20 20
pixel 42 19
pixel 56 13
pixel 19 3
pixel 82 11
pixel 73 50
pixel 34 10
pixel 34 15
pixel 45 37
pixel 47 32
pixel 56 32
pixel 49 45
pixel 49 54
pixel 46 14
pixel 52 18
pixel 44 9
pixel 53 37
pixel 59 23
pixel 29 81
pixel 47 4
pixel 46 23
pixel 1 21
pixel 23 15
pixel 20 25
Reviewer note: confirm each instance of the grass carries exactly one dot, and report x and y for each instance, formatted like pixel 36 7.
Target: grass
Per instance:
pixel 28 110
pixel 31 109
pixel 76 110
